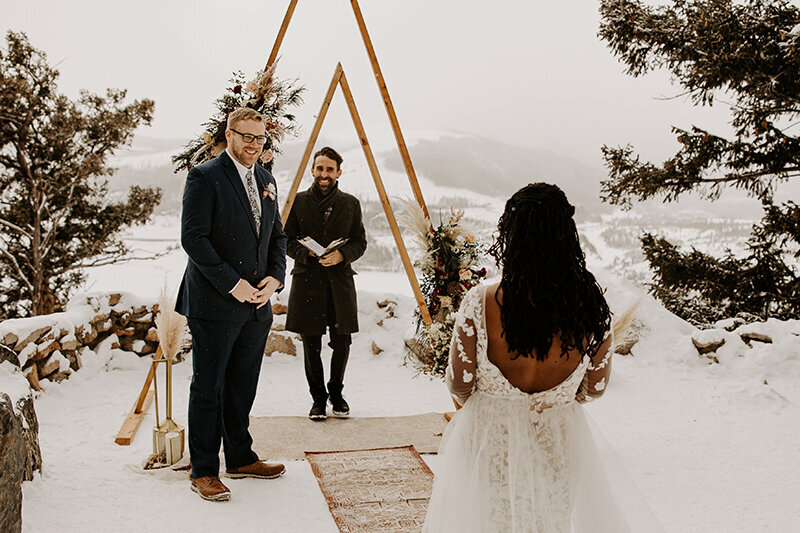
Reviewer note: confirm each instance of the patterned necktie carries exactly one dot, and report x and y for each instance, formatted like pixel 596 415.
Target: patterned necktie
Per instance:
pixel 252 195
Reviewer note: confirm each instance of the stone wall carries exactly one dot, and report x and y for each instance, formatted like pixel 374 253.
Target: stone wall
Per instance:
pixel 50 346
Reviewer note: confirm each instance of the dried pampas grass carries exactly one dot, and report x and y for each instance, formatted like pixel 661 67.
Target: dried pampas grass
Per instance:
pixel 413 218
pixel 267 80
pixel 622 326
pixel 171 326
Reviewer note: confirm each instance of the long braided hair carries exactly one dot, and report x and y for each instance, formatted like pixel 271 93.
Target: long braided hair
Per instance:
pixel 546 289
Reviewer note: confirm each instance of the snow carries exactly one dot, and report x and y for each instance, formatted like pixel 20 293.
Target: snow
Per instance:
pixel 63 362
pixel 711 446
pixel 776 354
pixel 144 159
pixel 772 328
pixel 13 383
pixel 26 353
pixel 710 336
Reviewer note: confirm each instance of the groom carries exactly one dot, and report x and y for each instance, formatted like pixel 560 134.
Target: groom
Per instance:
pixel 231 231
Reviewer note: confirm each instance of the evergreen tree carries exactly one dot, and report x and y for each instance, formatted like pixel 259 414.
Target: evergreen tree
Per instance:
pixel 748 51
pixel 56 217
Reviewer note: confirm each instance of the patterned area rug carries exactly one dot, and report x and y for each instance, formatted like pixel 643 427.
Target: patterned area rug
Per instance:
pixel 374 491
pixel 287 437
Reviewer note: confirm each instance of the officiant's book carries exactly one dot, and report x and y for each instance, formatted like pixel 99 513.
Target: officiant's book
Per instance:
pixel 319 250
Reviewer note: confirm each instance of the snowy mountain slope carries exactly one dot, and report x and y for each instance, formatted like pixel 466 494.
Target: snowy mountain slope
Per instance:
pixel 448 165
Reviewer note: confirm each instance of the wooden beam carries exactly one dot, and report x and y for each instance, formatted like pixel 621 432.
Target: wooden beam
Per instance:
pixel 387 208
pixel 279 39
pixel 387 102
pixel 140 407
pixel 132 422
pixel 326 103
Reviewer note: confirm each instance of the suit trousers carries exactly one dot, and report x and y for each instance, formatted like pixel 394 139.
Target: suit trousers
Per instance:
pixel 315 374
pixel 226 362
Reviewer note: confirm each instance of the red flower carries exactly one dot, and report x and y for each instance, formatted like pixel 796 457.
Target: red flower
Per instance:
pixel 237 89
pixel 482 272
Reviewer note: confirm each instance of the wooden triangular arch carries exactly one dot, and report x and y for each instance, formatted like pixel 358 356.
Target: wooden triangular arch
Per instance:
pixel 339 79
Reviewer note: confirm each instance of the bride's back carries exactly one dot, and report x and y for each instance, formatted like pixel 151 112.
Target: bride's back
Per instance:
pixel 525 373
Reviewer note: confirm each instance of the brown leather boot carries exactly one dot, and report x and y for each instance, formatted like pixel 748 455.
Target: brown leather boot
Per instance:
pixel 259 469
pixel 211 488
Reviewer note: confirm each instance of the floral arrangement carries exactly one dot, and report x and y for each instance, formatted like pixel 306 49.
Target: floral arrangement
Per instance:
pixel 449 267
pixel 267 95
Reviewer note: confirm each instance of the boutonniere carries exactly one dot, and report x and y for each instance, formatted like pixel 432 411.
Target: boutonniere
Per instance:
pixel 270 191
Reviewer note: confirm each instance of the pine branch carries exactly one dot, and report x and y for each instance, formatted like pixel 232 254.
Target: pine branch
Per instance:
pixel 16 228
pixel 57 222
pixel 21 277
pixel 114 260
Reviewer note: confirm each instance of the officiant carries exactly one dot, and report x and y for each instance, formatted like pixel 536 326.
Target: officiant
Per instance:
pixel 323 293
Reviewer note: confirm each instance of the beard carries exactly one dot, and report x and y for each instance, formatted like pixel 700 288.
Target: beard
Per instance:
pixel 325 184
pixel 245 158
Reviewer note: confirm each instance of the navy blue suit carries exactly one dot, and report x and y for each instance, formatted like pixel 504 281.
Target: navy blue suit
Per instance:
pixel 218 233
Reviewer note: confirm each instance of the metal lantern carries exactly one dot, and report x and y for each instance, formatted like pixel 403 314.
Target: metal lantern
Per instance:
pixel 168 436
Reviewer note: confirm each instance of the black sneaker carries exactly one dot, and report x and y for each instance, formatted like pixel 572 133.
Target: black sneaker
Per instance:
pixel 318 410
pixel 339 406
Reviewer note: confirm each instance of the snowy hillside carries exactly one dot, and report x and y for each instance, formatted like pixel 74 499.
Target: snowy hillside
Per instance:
pixel 450 166
pixel 476 174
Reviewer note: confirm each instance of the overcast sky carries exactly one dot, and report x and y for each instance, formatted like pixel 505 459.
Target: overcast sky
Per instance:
pixel 532 73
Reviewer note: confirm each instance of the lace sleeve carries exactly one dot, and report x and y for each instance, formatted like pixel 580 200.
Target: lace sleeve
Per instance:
pixel 596 377
pixel 460 373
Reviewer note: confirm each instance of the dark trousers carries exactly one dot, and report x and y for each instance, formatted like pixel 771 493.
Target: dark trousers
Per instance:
pixel 312 348
pixel 226 362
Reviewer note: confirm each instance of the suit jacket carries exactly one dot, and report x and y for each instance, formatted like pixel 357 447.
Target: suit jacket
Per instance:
pixel 312 283
pixel 218 232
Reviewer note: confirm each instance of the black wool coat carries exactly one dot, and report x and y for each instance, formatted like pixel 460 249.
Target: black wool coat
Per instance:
pixel 317 289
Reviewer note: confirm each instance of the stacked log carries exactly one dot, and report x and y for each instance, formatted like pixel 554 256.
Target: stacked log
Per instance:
pixel 51 347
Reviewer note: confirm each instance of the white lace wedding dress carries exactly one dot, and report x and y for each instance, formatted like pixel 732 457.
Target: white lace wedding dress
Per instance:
pixel 515 462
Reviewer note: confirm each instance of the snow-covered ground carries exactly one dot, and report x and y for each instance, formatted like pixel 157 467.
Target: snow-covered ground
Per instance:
pixel 712 447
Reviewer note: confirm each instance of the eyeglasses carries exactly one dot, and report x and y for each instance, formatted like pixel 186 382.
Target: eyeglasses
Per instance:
pixel 248 138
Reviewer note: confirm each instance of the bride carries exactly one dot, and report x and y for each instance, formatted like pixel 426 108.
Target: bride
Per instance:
pixel 519 455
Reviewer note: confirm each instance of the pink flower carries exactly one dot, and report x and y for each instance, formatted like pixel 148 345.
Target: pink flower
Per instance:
pixel 269 192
